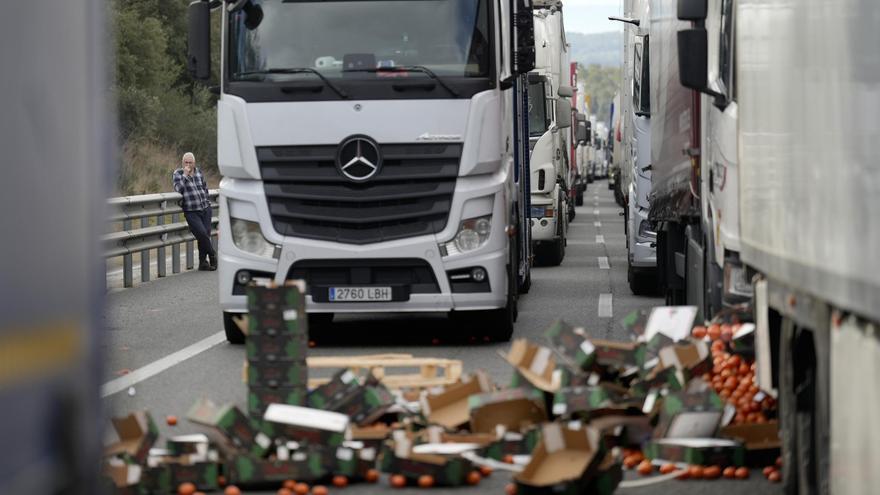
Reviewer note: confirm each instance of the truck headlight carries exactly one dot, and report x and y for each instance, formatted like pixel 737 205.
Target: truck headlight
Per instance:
pixel 472 234
pixel 248 237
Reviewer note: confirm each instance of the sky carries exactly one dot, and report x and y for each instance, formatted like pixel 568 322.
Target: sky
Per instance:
pixel 591 16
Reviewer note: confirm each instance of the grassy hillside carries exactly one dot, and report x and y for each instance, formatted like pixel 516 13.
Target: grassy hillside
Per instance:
pixel 596 48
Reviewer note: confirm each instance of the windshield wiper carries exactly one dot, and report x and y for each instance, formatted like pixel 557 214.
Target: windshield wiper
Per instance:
pixel 297 70
pixel 409 68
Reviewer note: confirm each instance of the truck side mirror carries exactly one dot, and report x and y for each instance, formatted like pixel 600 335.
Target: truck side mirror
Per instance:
pixel 693 59
pixel 565 91
pixel 563 113
pixel 198 56
pixel 692 10
pixel 581 132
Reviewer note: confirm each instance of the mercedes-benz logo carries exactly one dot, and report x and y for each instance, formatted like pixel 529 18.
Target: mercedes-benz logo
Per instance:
pixel 359 158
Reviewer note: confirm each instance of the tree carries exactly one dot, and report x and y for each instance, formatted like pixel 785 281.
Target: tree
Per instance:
pixel 601 83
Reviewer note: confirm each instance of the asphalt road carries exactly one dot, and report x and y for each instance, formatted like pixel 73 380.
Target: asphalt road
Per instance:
pixel 149 325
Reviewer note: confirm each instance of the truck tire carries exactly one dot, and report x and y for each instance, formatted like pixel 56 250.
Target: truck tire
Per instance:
pixel 494 324
pixel 641 283
pixel 579 199
pixel 234 335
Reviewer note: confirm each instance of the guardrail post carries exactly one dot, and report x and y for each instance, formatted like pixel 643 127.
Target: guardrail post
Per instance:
pixel 175 249
pixel 189 255
pixel 160 253
pixel 145 255
pixel 126 261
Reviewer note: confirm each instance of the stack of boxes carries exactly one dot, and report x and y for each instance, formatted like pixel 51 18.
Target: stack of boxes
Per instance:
pixel 278 338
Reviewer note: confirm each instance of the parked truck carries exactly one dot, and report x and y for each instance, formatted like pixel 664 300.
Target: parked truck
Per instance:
pixel 787 103
pixel 551 177
pixel 635 149
pixel 376 150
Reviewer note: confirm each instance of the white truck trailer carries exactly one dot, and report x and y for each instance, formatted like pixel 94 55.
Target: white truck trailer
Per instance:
pixel 376 150
pixel 550 170
pixel 805 88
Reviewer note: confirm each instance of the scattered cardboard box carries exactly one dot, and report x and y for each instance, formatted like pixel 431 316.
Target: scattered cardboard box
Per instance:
pixel 699 451
pixel 761 440
pixel 690 414
pixel 449 408
pixel 132 437
pixel 565 459
pixel 230 429
pixel 515 409
pixel 571 344
pixel 309 425
pixel 536 363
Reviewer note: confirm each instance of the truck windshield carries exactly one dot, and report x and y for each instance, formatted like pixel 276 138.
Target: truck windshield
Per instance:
pixel 538 119
pixel 341 38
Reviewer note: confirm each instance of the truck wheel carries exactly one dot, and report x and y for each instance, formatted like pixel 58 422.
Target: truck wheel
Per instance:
pixel 499 322
pixel 526 284
pixel 579 199
pixel 234 335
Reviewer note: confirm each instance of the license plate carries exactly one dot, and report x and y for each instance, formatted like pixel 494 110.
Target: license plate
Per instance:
pixel 359 294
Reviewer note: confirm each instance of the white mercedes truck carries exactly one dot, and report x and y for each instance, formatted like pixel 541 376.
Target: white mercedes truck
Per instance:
pixel 802 92
pixel 550 98
pixel 375 149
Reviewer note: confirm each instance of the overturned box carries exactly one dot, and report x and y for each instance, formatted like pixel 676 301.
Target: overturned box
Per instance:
pixel 398 458
pixel 304 424
pixel 132 437
pixel 516 409
pixel 449 408
pixel 231 429
pixel 535 363
pixel 593 401
pixel 566 460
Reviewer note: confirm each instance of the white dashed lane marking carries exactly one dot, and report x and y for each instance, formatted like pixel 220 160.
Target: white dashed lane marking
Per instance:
pixel 603 263
pixel 600 239
pixel 606 308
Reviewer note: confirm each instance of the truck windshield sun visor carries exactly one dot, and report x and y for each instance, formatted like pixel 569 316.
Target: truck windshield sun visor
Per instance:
pixel 356 45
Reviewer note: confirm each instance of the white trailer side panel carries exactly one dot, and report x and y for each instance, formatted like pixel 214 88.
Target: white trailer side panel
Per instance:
pixel 809 96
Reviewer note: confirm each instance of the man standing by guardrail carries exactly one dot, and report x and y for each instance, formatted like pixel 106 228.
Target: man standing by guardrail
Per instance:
pixel 190 183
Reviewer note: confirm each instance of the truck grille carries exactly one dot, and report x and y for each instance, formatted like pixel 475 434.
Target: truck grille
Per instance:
pixel 410 196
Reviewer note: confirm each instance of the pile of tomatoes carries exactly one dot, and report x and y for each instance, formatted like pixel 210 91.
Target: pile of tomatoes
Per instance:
pixel 733 376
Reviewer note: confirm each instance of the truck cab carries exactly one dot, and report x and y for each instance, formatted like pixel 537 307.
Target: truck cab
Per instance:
pixel 374 150
pixel 549 163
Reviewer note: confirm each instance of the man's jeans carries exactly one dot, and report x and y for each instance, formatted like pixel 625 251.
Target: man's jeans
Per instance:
pixel 200 225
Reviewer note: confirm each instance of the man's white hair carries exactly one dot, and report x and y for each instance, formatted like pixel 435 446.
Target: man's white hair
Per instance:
pixel 188 155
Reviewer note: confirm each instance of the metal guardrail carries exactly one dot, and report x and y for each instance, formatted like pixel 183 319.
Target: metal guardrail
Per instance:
pixel 150 212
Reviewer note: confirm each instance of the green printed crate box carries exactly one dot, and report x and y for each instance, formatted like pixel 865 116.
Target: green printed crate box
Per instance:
pixel 259 398
pixel 341 386
pixel 690 414
pixel 702 451
pixel 277 374
pixel 287 322
pixel 446 470
pixel 311 426
pixel 262 298
pixel 619 354
pixel 157 479
pixel 512 443
pixel 352 459
pixel 233 430
pixel 280 347
pixel 202 474
pixel 591 401
pixel 571 344
pixel 132 437
pixel 366 404
pixel 305 466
